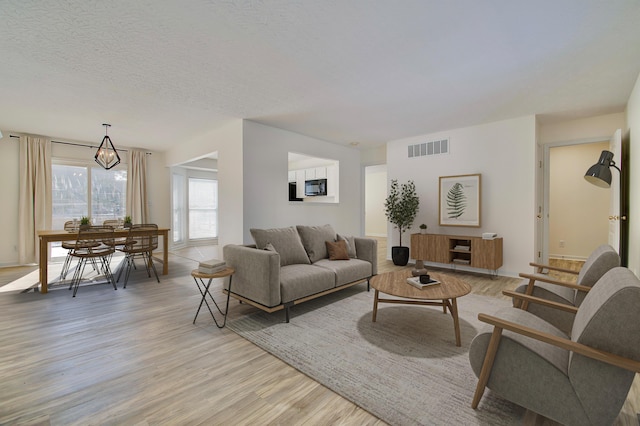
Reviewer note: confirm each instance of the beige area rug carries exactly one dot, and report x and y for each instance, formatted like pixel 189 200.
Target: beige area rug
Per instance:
pixel 404 368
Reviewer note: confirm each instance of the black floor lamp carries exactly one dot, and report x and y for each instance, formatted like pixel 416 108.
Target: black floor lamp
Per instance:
pixel 600 175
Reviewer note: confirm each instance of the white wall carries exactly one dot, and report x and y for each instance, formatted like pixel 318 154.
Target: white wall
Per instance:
pixel 158 182
pixel 504 154
pixel 265 186
pixel 375 195
pixel 578 210
pixel 633 121
pixel 226 141
pixel 602 126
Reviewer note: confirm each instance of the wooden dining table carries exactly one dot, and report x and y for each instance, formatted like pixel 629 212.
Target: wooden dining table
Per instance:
pixel 49 236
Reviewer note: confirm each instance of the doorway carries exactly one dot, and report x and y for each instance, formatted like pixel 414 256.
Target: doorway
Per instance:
pixel 577 219
pixel 375 187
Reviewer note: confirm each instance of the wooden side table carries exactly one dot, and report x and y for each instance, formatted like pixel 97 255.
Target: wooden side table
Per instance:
pixel 199 278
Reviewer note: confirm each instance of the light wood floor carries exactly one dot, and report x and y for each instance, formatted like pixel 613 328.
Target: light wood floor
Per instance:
pixel 132 357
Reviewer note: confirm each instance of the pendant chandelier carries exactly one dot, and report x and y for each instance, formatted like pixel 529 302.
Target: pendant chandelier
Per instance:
pixel 107 156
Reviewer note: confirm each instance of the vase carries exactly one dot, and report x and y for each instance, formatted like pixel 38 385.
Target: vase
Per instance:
pixel 400 255
pixel 419 269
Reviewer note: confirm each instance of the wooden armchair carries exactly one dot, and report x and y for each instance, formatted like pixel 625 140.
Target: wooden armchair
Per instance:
pixel 579 380
pixel 541 285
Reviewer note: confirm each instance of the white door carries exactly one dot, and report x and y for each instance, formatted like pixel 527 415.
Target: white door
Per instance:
pixel 615 146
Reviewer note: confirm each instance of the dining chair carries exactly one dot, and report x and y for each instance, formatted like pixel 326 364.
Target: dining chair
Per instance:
pixel 141 242
pixel 69 246
pixel 94 244
pixel 115 224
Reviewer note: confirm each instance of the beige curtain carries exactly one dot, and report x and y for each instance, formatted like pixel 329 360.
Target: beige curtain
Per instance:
pixel 34 209
pixel 137 186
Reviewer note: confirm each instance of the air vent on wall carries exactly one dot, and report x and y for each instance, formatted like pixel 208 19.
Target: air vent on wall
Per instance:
pixel 429 148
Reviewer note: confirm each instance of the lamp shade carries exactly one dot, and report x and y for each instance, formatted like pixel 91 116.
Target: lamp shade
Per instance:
pixel 600 173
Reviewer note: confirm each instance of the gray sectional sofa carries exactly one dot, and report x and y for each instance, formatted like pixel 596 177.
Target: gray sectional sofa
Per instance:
pixel 288 266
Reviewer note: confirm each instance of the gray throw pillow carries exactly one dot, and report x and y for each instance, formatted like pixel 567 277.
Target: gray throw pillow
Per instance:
pixel 351 245
pixel 285 241
pixel 314 238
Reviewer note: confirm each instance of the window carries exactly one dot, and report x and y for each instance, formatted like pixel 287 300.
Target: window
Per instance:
pixel 87 191
pixel 178 208
pixel 203 208
pixel 194 207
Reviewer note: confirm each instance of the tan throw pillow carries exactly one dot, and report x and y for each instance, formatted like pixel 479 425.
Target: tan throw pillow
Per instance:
pixel 337 250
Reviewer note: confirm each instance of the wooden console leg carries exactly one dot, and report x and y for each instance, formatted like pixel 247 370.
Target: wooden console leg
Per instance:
pixel 375 306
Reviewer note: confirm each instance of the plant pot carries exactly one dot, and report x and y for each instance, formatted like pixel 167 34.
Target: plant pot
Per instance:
pixel 400 255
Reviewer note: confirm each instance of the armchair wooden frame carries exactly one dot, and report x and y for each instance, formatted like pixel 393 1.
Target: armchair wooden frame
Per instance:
pixel 567 344
pixel 538 276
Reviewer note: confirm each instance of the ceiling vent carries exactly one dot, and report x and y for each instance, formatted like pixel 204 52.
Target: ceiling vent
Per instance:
pixel 438 147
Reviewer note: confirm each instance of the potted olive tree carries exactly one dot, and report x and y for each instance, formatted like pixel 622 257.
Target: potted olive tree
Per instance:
pixel 401 207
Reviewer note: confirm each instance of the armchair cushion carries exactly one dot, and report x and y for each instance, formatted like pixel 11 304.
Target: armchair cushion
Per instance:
pixel 601 260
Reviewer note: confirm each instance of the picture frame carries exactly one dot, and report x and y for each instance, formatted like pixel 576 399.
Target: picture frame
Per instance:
pixel 460 200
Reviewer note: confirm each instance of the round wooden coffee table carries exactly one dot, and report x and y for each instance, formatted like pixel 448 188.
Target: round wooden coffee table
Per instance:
pixel 443 294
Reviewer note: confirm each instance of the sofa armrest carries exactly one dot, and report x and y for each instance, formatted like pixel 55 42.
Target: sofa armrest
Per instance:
pixel 257 275
pixel 367 249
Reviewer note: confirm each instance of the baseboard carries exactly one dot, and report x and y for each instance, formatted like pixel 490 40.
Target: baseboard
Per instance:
pixel 567 257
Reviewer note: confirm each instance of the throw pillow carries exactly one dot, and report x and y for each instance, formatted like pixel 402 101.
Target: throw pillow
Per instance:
pixel 270 247
pixel 285 241
pixel 337 250
pixel 351 245
pixel 313 238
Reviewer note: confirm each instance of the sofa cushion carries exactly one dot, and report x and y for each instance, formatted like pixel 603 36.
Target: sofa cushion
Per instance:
pixel 285 241
pixel 347 271
pixel 337 250
pixel 297 281
pixel 313 239
pixel 351 245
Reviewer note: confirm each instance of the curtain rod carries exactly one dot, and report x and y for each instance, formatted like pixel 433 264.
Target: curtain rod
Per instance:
pixel 79 144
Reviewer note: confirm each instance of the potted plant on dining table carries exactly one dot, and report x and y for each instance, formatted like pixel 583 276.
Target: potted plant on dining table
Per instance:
pixel 127 221
pixel 85 222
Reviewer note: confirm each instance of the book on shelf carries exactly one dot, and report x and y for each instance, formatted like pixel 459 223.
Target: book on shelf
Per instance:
pixel 462 261
pixel 211 266
pixel 415 281
pixel 465 248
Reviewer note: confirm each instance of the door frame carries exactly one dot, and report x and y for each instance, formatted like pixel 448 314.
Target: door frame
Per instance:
pixel 543 196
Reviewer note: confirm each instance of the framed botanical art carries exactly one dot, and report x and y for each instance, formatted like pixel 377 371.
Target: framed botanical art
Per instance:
pixel 459 202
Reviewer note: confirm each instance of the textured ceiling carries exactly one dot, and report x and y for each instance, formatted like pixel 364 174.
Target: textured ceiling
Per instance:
pixel 165 71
